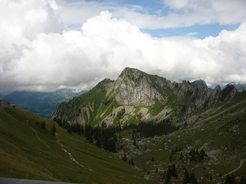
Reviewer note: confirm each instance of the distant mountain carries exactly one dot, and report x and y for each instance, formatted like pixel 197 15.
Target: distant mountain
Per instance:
pixel 1 95
pixel 199 83
pixel 168 132
pixel 239 86
pixel 41 103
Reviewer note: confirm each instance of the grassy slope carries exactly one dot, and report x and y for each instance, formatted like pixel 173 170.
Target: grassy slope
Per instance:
pixel 30 152
pixel 220 131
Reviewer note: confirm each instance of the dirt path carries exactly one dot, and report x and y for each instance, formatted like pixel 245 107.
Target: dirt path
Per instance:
pixel 240 165
pixel 69 154
pixel 37 135
pixel 63 149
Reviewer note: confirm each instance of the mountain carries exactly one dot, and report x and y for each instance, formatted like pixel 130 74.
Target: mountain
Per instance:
pixel 238 86
pixel 41 103
pixel 29 149
pixel 162 131
pixel 200 83
pixel 174 132
pixel 139 94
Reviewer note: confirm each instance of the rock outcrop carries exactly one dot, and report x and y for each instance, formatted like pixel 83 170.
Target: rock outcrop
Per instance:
pixel 136 88
pixel 146 96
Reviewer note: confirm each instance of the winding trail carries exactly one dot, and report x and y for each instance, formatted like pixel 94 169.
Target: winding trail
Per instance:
pixel 240 165
pixel 63 149
pixel 37 135
pixel 69 154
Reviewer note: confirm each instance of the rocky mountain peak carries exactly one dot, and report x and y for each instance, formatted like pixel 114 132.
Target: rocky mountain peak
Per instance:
pixel 229 92
pixel 200 83
pixel 131 72
pixel 137 88
pixel 143 95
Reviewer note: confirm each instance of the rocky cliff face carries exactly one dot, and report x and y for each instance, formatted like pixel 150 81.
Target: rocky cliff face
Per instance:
pixel 138 88
pixel 138 96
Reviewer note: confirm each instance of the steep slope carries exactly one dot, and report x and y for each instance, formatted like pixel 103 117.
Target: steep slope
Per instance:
pixel 211 145
pixel 28 150
pixel 41 103
pixel 238 86
pixel 137 96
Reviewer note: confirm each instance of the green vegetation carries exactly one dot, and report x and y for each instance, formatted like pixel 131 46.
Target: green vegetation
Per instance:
pixel 208 148
pixel 156 108
pixel 30 151
pixel 179 139
pixel 94 102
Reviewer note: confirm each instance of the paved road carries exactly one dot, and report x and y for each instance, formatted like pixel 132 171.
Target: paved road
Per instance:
pixel 22 181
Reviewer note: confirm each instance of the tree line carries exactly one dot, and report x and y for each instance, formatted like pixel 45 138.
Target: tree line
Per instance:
pixel 151 129
pixel 104 136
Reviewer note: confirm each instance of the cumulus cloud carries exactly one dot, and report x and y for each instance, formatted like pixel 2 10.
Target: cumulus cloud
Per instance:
pixel 191 12
pixel 171 13
pixel 48 58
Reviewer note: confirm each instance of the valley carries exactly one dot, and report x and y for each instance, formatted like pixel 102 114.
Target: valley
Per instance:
pixel 41 103
pixel 29 151
pixel 140 128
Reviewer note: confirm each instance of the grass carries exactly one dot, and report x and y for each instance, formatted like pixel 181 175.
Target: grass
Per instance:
pixel 220 131
pixel 156 109
pixel 30 152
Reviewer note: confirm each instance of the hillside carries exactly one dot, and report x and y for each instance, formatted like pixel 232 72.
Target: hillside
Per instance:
pixel 173 132
pixel 157 131
pixel 142 97
pixel 41 103
pixel 210 144
pixel 28 150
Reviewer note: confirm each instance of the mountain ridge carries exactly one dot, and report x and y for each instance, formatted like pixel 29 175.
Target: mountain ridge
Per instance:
pixel 178 132
pixel 140 93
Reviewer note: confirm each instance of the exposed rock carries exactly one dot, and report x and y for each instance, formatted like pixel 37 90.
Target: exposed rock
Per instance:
pixel 215 97
pixel 134 90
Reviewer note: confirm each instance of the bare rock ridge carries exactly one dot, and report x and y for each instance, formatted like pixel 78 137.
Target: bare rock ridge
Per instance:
pixel 138 96
pixel 136 88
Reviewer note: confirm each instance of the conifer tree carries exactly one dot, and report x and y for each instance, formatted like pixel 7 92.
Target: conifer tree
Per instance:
pixel 168 175
pixel 181 156
pixel 131 162
pixel 124 158
pixel 173 171
pixel 43 124
pixel 152 159
pixel 53 130
pixel 193 178
pixel 69 129
pixel 186 176
pixel 230 179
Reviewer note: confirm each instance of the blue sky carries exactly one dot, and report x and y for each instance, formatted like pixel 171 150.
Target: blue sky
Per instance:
pixel 163 9
pixel 198 31
pixel 51 44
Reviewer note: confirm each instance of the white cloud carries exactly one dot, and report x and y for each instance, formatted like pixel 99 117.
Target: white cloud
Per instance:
pixel 47 59
pixel 192 33
pixel 173 13
pixel 207 11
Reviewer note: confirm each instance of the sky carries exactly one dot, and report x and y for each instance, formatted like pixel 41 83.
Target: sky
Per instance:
pixel 46 45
